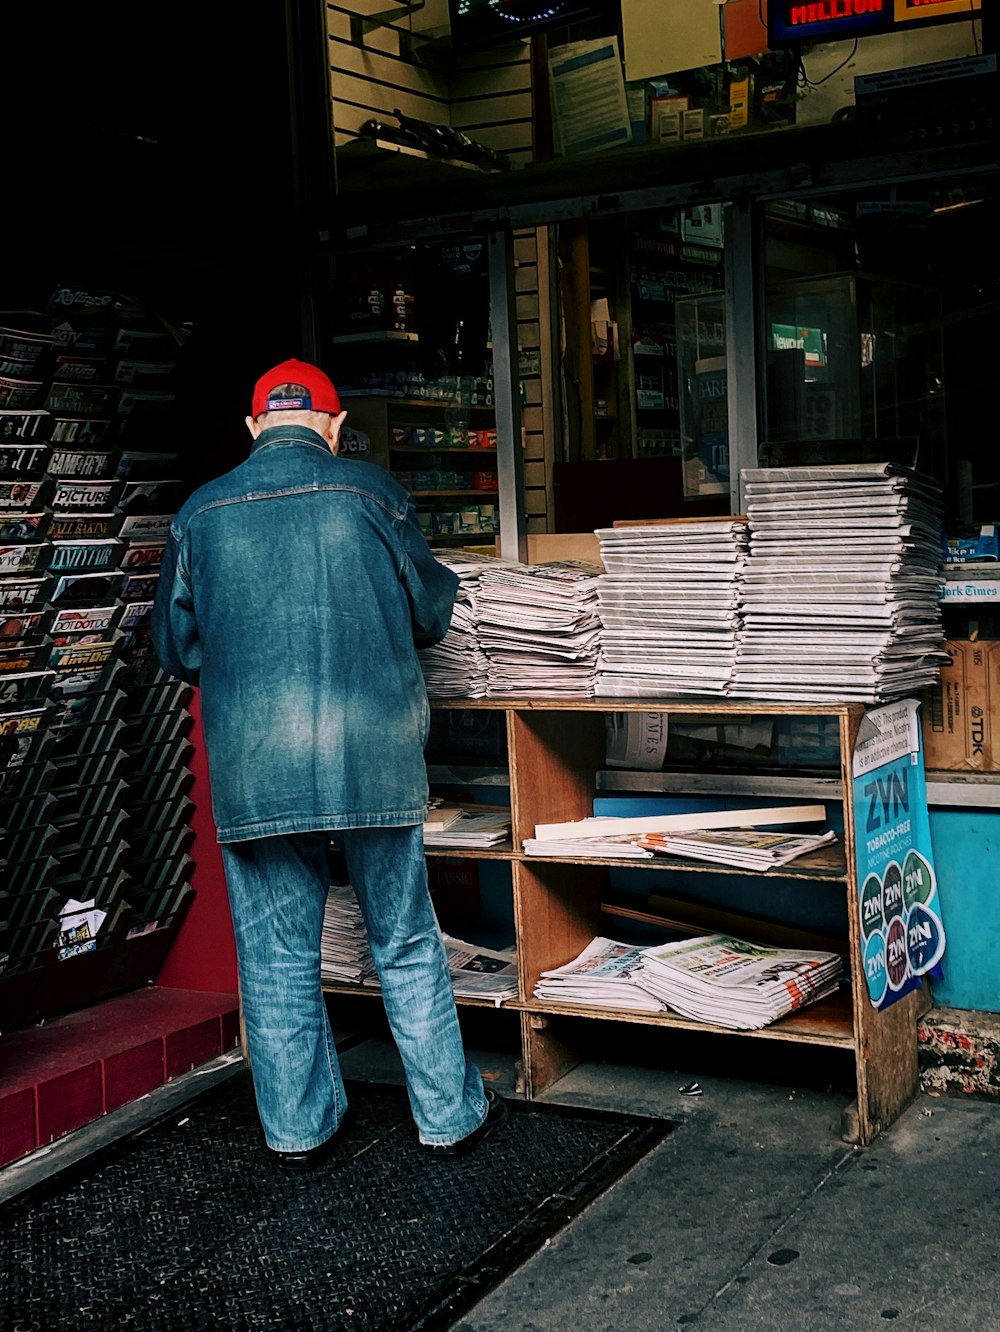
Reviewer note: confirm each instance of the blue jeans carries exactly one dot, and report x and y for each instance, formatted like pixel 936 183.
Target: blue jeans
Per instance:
pixel 277 891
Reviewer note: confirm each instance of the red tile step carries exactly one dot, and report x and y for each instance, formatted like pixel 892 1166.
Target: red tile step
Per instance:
pixel 71 1070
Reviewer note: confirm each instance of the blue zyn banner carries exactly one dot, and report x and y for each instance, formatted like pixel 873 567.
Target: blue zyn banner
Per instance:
pixel 902 934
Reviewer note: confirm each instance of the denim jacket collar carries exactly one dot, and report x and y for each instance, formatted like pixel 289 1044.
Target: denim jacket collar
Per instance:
pixel 289 434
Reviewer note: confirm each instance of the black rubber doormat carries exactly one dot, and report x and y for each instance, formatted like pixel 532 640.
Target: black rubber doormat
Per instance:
pixel 186 1224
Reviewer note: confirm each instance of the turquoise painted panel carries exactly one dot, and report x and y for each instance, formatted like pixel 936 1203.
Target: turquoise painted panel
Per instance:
pixel 967 861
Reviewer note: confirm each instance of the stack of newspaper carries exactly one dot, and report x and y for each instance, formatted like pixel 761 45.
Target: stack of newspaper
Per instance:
pixel 476 972
pixel 456 667
pixel 732 983
pixel 841 594
pixel 481 973
pixel 440 816
pixel 344 951
pixel 607 974
pixel 539 628
pixel 621 847
pixel 746 848
pixel 642 835
pixel 474 829
pixel 669 606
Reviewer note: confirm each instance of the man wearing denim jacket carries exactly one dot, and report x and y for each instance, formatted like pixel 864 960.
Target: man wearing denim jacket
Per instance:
pixel 295 591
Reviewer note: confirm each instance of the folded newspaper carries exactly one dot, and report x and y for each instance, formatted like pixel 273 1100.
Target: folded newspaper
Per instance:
pixel 476 972
pixel 744 848
pixel 607 974
pixel 715 978
pixel 476 828
pixel 737 984
pixel 481 973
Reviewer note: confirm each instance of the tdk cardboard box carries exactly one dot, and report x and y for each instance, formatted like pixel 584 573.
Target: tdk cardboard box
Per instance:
pixel 961 715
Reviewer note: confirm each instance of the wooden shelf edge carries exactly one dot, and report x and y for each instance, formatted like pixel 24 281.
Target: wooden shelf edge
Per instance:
pixel 827 1022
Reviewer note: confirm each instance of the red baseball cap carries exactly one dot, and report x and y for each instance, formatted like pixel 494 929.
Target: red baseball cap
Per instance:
pixel 317 395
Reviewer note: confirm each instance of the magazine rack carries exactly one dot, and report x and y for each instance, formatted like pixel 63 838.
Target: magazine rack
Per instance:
pixel 556 751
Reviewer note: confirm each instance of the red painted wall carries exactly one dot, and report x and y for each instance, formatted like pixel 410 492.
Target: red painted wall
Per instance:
pixel 203 956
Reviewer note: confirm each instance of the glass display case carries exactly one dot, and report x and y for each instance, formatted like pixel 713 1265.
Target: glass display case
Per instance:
pixel 854 372
pixel 704 403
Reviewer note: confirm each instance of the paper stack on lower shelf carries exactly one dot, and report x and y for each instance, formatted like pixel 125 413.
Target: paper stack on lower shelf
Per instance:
pixel 607 974
pixel 734 983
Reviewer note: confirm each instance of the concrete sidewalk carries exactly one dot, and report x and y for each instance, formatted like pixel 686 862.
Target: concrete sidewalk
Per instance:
pixel 754 1214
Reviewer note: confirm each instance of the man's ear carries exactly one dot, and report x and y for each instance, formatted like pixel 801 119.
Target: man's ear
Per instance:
pixel 253 426
pixel 333 431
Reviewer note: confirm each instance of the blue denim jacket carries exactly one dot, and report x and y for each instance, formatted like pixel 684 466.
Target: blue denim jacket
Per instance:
pixel 295 590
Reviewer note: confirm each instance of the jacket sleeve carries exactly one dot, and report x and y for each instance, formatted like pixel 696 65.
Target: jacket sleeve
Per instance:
pixel 174 626
pixel 430 586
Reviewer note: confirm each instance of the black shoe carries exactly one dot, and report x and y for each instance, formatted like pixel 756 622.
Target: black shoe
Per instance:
pixel 313 1157
pixel 496 1114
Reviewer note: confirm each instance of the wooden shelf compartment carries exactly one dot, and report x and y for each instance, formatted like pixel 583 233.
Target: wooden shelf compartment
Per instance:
pixel 556 750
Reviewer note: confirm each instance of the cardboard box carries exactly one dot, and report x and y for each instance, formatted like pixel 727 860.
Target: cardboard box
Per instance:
pixel 960 716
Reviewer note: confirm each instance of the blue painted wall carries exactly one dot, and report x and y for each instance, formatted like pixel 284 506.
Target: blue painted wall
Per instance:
pixel 966 847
